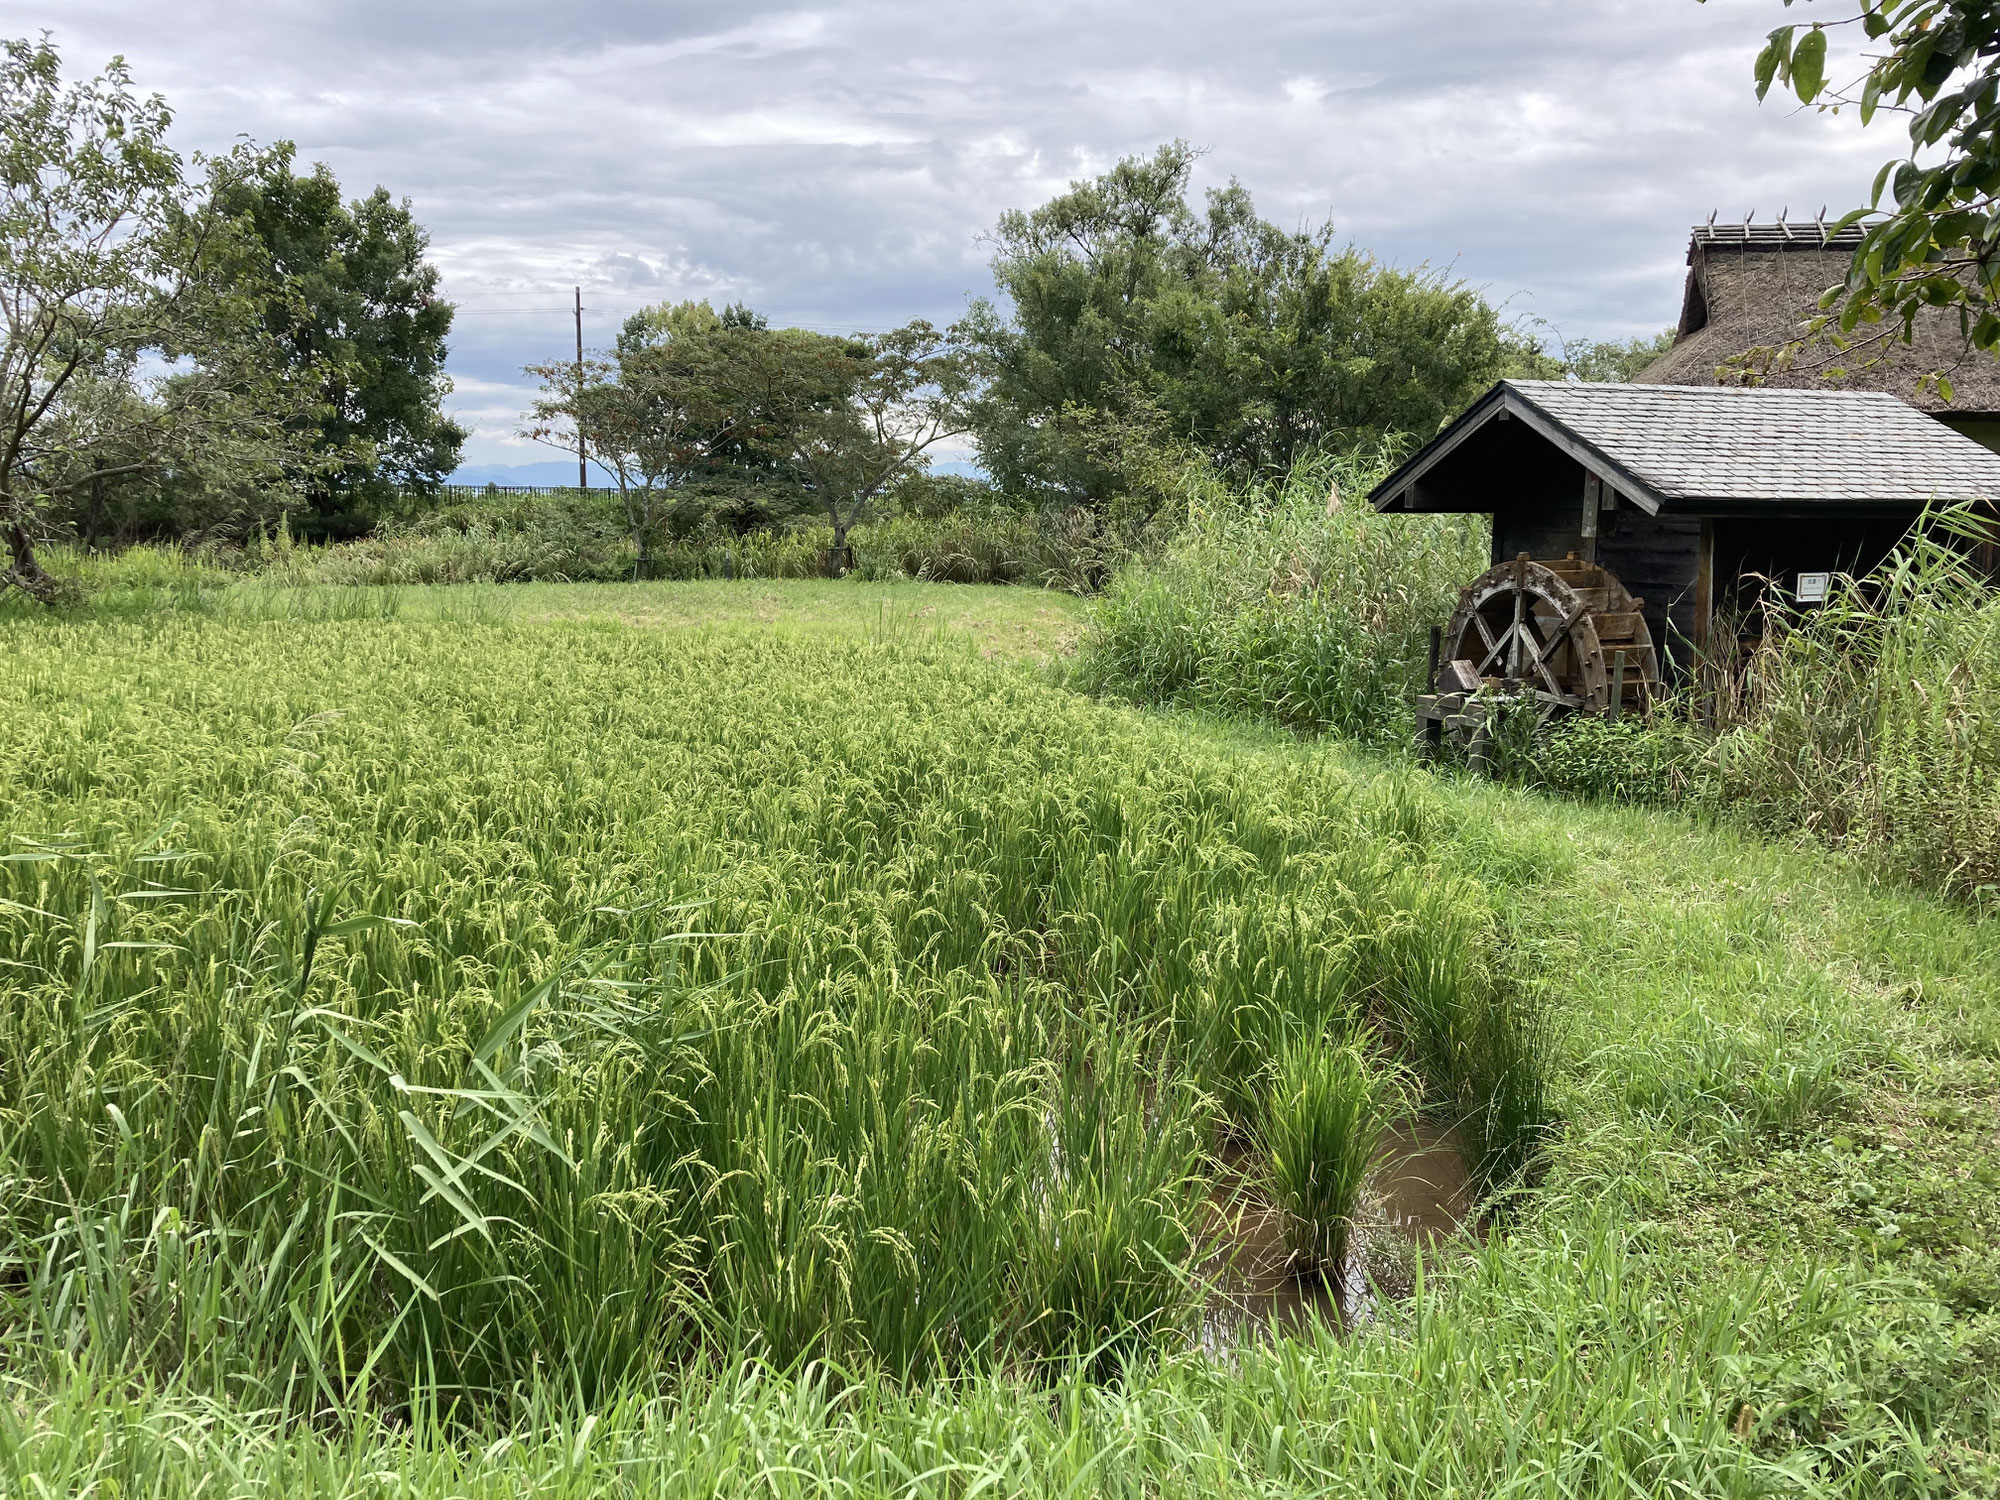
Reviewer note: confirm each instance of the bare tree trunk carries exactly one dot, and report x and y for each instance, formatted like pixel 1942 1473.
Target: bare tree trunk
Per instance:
pixel 635 521
pixel 26 574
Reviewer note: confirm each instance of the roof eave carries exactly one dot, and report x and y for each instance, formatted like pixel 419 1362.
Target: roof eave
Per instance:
pixel 1505 397
pixel 1461 427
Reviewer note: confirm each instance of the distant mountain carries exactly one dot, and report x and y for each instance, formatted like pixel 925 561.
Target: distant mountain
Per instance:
pixel 556 471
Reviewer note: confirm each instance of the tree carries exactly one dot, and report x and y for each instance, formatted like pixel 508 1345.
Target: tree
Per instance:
pixel 1611 359
pixel 663 413
pixel 1139 326
pixel 850 417
pixel 373 332
pixel 1936 243
pixel 134 309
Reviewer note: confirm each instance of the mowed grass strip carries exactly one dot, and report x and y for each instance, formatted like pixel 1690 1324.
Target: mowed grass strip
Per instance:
pixel 366 1049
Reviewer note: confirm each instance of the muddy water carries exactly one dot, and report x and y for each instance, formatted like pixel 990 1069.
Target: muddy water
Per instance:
pixel 1419 1193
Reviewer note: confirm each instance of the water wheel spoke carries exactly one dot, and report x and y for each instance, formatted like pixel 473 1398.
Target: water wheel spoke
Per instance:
pixel 1543 650
pixel 1492 646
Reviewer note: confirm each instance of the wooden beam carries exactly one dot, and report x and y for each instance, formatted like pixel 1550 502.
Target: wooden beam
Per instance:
pixel 1704 585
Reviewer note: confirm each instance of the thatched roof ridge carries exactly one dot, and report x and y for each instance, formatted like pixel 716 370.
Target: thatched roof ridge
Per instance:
pixel 1749 286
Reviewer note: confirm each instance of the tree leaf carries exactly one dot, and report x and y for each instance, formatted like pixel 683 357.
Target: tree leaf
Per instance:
pixel 1809 65
pixel 1773 58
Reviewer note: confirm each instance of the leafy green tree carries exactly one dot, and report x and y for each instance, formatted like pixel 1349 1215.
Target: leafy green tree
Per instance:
pixel 372 332
pixel 1933 220
pixel 664 413
pixel 1139 326
pixel 1613 359
pixel 134 308
pixel 849 418
pixel 694 410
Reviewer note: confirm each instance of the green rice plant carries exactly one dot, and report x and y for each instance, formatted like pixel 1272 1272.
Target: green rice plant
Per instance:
pixel 1478 1041
pixel 1106 1266
pixel 1325 1109
pixel 356 1003
pixel 479 1057
pixel 1509 1116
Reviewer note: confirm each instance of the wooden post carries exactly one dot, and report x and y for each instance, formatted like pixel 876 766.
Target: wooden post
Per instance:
pixel 1708 673
pixel 1704 586
pixel 1593 489
pixel 582 463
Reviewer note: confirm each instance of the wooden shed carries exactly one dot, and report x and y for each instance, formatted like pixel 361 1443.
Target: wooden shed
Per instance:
pixel 1757 286
pixel 1626 517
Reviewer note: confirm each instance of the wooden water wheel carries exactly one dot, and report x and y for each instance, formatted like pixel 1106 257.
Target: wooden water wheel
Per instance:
pixel 1566 635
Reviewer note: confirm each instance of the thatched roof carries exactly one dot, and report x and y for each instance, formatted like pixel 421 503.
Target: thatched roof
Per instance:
pixel 1755 286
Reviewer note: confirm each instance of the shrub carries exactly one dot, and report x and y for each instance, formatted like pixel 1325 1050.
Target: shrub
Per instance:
pixel 1656 760
pixel 578 536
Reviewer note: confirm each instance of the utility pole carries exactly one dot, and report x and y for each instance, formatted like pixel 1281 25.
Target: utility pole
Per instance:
pixel 582 464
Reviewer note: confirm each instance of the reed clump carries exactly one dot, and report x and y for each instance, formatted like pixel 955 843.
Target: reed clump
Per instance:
pixel 1291 601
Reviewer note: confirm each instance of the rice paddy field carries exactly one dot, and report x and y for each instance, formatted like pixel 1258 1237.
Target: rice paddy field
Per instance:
pixel 676 1041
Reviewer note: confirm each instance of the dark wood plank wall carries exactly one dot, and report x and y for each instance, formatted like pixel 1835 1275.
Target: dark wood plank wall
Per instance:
pixel 1749 550
pixel 1657 558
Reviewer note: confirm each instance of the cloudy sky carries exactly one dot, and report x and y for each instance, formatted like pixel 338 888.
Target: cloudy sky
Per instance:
pixel 838 165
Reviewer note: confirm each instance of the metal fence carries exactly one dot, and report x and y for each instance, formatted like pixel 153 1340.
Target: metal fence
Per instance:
pixel 453 492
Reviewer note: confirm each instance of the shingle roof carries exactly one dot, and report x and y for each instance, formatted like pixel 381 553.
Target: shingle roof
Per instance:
pixel 1674 445
pixel 1760 443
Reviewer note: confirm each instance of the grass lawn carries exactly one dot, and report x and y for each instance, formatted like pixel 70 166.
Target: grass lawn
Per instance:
pixel 286 876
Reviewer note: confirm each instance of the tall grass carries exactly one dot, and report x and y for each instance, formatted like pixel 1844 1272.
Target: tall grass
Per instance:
pixel 1867 723
pixel 1293 602
pixel 1873 722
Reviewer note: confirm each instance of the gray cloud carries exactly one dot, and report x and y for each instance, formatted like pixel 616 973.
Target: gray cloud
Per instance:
pixel 838 165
